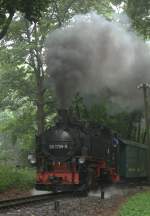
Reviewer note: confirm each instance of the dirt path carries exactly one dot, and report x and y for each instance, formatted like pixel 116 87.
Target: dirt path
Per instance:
pixel 13 193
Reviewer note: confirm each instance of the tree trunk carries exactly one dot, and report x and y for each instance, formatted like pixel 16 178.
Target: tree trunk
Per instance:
pixel 40 104
pixel 36 64
pixel 130 129
pixel 139 129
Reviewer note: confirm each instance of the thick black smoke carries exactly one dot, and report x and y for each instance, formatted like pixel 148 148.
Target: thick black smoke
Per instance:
pixel 96 56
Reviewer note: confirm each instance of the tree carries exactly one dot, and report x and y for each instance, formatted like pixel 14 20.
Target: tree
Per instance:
pixel 139 12
pixel 59 12
pixel 32 10
pixel 23 76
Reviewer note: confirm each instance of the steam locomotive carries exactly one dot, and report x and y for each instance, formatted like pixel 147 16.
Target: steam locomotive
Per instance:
pixel 76 155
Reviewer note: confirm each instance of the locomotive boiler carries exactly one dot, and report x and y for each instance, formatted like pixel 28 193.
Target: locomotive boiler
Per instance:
pixel 75 155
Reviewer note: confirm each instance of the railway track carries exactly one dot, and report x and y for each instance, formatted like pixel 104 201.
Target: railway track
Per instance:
pixel 11 203
pixel 6 204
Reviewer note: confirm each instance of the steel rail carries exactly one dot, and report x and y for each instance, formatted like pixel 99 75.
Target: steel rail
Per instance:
pixel 5 204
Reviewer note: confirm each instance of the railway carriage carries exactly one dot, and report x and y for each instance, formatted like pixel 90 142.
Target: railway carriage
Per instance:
pixel 132 160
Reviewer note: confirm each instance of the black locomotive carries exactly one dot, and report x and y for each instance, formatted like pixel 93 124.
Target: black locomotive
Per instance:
pixel 76 155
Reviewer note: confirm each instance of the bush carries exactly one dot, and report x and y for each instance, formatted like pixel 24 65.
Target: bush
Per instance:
pixel 137 205
pixel 18 178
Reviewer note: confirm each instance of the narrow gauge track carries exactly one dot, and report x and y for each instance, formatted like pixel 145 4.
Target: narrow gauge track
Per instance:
pixel 6 204
pixel 11 203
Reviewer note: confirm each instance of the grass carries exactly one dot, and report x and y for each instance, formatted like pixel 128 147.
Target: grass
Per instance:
pixel 18 178
pixel 137 205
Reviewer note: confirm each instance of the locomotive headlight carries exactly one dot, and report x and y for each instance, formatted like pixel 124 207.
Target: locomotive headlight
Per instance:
pixel 81 160
pixel 31 158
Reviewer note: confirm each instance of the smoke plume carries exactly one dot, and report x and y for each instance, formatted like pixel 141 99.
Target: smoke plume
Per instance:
pixel 92 55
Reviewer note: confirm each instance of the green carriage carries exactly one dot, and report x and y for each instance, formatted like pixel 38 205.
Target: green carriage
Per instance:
pixel 132 159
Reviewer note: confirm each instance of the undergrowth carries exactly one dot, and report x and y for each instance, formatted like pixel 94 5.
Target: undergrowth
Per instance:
pixel 137 205
pixel 16 178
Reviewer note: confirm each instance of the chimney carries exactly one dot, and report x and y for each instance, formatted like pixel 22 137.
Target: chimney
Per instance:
pixel 63 115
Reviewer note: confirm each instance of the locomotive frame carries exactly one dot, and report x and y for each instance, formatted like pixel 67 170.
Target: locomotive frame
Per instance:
pixel 90 162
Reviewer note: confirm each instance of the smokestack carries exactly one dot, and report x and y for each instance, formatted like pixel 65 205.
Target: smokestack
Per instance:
pixel 63 116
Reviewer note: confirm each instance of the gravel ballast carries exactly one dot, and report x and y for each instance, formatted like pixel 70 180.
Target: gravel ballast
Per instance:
pixel 92 205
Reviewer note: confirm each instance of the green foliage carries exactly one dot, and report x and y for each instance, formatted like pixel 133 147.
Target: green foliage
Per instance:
pixel 59 10
pixel 139 11
pixel 17 178
pixel 17 134
pixel 110 115
pixel 101 6
pixel 32 9
pixel 137 205
pixel 122 122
